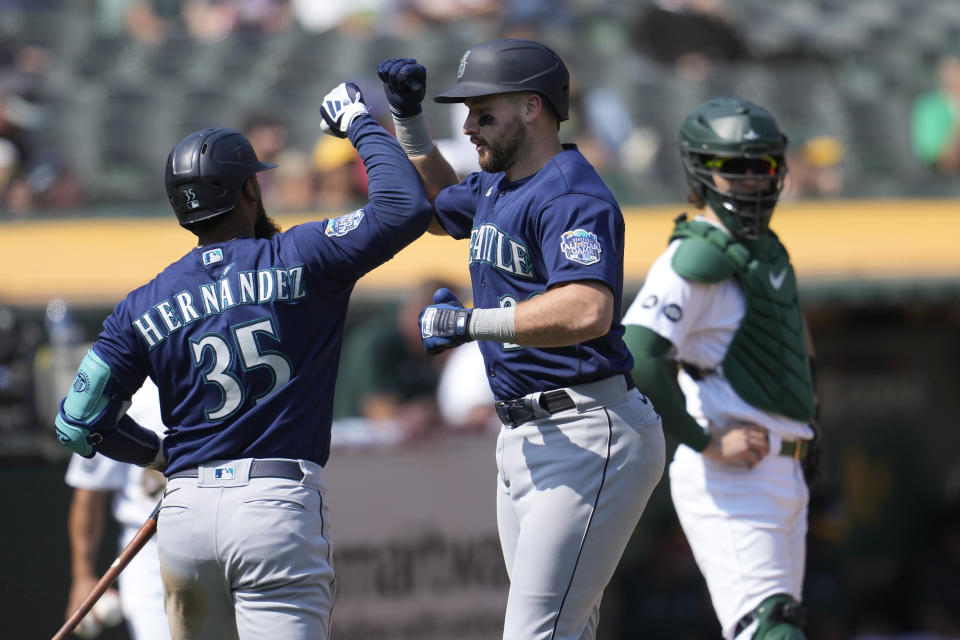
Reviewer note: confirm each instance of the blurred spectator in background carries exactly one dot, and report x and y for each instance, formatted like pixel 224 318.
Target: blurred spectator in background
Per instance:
pixel 209 20
pixel 292 185
pixel 262 16
pixel 149 22
pixel 51 183
pixel 269 136
pixel 267 133
pixel 153 22
pixel 622 152
pixel 386 377
pixel 688 36
pixel 935 119
pixel 212 20
pixel 463 392
pixel 9 163
pixel 22 73
pixel 339 178
pixel 816 168
pixel 18 343
pixel 351 16
pixel 30 180
pixel 416 15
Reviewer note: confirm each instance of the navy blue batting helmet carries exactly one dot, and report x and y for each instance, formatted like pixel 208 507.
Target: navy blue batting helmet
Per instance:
pixel 503 66
pixel 206 171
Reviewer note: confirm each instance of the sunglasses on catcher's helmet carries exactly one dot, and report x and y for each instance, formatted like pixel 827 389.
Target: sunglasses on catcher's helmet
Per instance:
pixel 764 166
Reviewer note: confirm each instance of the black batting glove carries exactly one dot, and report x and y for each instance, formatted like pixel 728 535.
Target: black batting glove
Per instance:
pixel 405 85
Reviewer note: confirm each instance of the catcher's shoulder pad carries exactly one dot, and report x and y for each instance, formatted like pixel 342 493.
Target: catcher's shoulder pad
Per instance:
pixel 706 254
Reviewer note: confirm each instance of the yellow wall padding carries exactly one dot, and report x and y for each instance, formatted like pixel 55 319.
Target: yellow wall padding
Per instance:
pixel 98 260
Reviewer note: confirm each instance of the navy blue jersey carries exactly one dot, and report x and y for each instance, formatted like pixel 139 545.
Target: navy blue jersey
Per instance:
pixel 243 337
pixel 559 225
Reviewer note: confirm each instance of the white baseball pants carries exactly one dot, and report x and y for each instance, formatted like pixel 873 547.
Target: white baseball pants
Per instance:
pixel 746 527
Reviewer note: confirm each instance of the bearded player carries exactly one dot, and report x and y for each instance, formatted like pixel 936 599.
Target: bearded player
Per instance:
pixel 242 336
pixel 581 449
pixel 722 302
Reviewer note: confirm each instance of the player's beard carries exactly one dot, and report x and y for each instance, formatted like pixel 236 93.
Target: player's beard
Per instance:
pixel 500 156
pixel 265 228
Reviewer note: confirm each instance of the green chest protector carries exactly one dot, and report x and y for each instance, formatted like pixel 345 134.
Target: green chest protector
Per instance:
pixel 767 363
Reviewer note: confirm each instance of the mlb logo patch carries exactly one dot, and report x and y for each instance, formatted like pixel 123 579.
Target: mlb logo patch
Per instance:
pixel 343 225
pixel 223 473
pixel 580 246
pixel 212 256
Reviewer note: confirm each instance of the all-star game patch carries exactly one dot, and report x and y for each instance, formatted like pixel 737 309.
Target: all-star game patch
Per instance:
pixel 580 246
pixel 344 224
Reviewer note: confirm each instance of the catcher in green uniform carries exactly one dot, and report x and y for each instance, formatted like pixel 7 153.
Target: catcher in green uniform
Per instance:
pixel 720 345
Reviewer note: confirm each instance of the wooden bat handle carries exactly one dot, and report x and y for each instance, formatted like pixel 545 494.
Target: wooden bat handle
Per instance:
pixel 147 529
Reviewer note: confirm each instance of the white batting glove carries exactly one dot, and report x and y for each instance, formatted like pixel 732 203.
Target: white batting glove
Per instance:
pixel 339 109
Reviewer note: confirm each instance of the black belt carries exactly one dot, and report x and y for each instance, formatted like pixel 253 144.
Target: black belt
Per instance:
pixel 697 372
pixel 259 469
pixel 515 412
pixel 744 622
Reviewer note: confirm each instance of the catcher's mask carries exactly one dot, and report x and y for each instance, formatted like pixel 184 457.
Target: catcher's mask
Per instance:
pixel 206 171
pixel 741 143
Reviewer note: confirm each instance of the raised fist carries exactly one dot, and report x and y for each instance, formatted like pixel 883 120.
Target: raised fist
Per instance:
pixel 405 84
pixel 444 324
pixel 340 107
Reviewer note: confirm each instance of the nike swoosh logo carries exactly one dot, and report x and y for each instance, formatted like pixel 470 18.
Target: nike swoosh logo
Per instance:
pixel 777 280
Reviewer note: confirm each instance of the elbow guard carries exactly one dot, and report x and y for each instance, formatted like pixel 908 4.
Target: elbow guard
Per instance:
pixel 89 408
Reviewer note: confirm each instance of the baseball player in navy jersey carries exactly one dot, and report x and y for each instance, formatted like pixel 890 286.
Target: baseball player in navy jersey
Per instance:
pixel 580 449
pixel 133 492
pixel 242 336
pixel 722 301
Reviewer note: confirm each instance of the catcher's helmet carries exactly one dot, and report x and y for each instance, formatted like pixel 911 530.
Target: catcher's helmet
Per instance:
pixel 740 142
pixel 205 172
pixel 503 66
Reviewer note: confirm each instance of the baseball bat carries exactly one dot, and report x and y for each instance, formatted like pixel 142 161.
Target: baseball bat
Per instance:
pixel 147 529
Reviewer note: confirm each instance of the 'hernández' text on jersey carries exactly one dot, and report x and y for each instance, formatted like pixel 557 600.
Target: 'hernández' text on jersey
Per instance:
pixel 243 287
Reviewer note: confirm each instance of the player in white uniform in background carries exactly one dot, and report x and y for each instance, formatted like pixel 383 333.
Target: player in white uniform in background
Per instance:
pixel 132 492
pixel 722 302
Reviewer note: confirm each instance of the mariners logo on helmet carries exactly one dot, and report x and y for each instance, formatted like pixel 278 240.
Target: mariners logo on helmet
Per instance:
pixel 509 65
